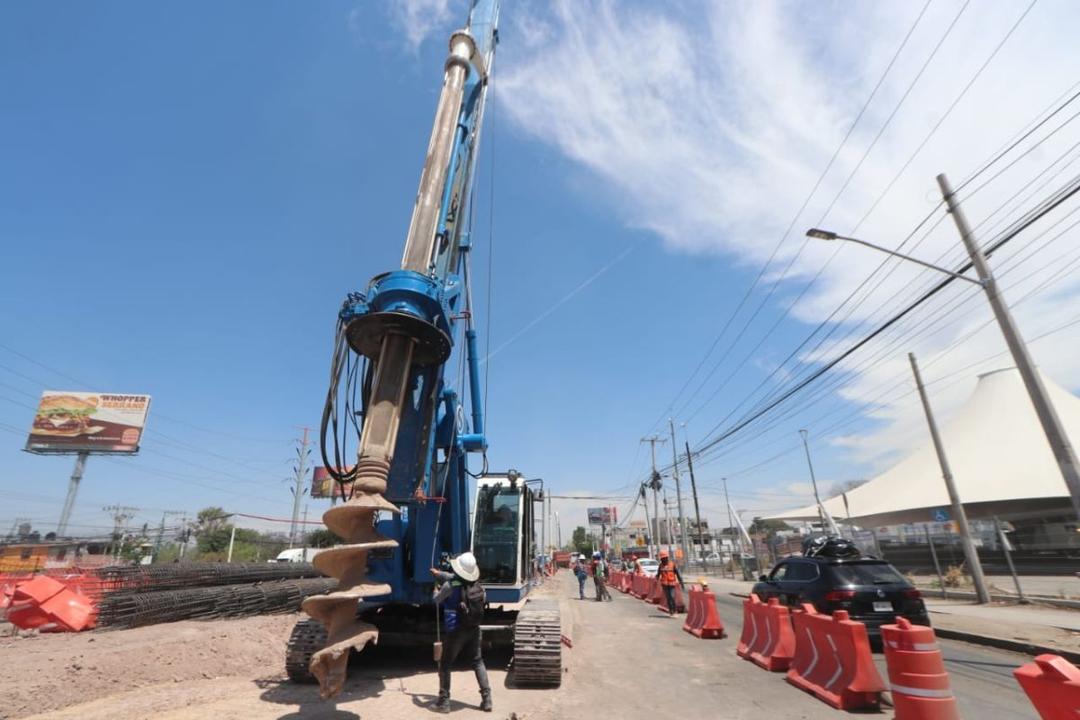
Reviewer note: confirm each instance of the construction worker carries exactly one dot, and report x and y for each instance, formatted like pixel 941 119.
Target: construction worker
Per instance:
pixel 669 576
pixel 462 601
pixel 582 575
pixel 599 570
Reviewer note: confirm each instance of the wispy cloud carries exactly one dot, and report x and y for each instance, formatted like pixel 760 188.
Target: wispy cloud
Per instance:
pixel 419 19
pixel 708 123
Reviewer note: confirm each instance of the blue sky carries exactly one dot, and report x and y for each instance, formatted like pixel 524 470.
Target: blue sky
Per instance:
pixel 187 192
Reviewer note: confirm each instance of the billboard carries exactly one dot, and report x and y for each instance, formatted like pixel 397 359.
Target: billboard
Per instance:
pixel 602 516
pixel 68 422
pixel 323 484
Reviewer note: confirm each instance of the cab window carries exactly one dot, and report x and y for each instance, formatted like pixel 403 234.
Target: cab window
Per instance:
pixel 779 572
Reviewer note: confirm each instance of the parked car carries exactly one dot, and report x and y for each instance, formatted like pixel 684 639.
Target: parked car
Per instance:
pixel 711 558
pixel 871 590
pixel 648 566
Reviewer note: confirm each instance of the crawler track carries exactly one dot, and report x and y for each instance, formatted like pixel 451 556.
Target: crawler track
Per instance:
pixel 538 646
pixel 308 637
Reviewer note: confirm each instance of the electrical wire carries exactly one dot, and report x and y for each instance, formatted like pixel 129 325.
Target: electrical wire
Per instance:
pixel 1036 214
pixel 783 238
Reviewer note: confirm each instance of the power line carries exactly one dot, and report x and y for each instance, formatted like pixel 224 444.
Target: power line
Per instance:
pixel 794 219
pixel 1036 214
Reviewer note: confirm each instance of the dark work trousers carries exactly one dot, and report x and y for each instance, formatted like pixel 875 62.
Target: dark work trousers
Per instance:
pixel 463 642
pixel 669 594
pixel 581 586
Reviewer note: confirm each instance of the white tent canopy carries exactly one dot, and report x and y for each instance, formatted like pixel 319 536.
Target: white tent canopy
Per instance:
pixel 998 454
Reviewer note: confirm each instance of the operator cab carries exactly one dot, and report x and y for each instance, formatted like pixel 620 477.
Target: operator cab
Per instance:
pixel 503 539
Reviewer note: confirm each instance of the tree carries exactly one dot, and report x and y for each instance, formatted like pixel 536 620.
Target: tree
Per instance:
pixel 580 541
pixel 768 528
pixel 322 538
pixel 212 534
pixel 212 530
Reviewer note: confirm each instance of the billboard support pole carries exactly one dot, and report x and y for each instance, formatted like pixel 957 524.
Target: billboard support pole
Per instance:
pixel 73 489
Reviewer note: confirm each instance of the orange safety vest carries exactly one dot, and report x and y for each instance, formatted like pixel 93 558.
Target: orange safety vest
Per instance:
pixel 667 575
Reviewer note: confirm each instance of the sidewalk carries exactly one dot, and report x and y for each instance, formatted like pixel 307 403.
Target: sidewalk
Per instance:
pixel 1020 627
pixel 1035 587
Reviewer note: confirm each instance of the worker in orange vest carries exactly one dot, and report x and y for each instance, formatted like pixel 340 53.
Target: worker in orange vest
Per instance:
pixel 669 577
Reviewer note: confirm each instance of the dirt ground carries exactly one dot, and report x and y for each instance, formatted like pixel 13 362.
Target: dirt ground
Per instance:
pixel 48 672
pixel 626 656
pixel 216 668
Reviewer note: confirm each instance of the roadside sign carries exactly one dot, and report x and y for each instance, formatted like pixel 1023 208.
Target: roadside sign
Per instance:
pixel 73 422
pixel 940 515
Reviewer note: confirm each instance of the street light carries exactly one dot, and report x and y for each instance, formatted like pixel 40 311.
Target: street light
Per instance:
pixel 1060 445
pixel 819 234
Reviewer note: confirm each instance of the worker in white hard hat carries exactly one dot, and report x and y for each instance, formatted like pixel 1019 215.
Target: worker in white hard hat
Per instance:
pixel 462 600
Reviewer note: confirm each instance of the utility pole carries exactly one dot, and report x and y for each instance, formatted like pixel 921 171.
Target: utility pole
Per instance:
pixel 73 489
pixel 120 514
pixel 678 493
pixel 648 525
pixel 655 484
pixel 161 529
pixel 1044 409
pixel 970 553
pixel 543 527
pixel 668 526
pixel 697 509
pixel 304 534
pixel 731 524
pixel 813 479
pixel 300 472
pixel 558 530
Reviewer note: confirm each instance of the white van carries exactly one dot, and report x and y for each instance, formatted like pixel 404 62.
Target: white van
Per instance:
pixel 295 555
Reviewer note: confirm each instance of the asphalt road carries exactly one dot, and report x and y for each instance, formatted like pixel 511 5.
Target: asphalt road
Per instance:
pixel 981 677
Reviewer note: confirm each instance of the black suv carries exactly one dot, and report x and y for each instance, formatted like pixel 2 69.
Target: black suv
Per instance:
pixel 871 590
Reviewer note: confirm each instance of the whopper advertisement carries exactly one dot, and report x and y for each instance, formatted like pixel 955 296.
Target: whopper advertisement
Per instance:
pixel 92 422
pixel 601 516
pixel 323 484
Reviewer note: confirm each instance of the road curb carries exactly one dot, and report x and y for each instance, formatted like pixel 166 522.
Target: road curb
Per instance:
pixel 1006 644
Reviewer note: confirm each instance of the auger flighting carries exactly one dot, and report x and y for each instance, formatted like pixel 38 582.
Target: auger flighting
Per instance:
pixel 407 496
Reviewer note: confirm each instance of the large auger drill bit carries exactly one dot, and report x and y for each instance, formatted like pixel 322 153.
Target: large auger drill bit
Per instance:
pixel 409 325
pixel 354 522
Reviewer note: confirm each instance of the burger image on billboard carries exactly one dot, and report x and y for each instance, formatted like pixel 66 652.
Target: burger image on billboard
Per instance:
pixel 64 415
pixel 91 422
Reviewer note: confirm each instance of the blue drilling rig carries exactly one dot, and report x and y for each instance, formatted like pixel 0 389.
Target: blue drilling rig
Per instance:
pixel 406 496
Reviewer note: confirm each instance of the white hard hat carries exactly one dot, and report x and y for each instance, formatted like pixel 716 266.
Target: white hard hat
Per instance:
pixel 465 567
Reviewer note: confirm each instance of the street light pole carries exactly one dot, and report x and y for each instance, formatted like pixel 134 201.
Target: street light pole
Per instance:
pixel 731 526
pixel 970 553
pixel 1059 442
pixel 813 478
pixel 1044 409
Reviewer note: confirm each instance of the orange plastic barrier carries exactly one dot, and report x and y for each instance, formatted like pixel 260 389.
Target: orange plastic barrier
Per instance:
pixel 46 604
pixel 1052 684
pixel 832 660
pixel 7 588
pixel 702 620
pixel 920 684
pixel 642 584
pixel 615 580
pixel 767 638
